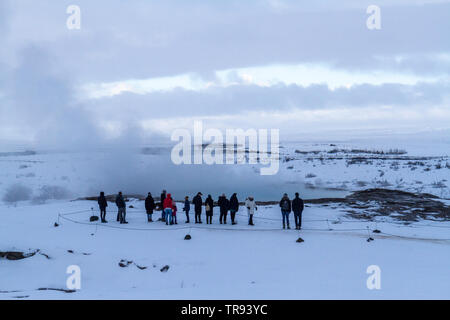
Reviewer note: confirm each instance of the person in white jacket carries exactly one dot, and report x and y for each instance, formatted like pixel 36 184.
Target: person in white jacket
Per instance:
pixel 251 208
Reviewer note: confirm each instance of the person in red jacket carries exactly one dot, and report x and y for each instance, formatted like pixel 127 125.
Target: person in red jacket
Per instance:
pixel 174 213
pixel 167 207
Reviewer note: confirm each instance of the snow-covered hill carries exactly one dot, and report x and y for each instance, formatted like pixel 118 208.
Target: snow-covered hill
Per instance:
pixel 356 166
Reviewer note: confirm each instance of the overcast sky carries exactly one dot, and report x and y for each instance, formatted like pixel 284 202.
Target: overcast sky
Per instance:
pixel 145 68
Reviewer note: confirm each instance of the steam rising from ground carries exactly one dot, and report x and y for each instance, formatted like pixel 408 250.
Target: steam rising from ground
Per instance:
pixel 42 103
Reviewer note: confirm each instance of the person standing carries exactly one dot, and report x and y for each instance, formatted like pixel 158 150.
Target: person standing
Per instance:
pixel 298 206
pixel 224 205
pixel 149 207
pixel 198 202
pixel 286 208
pixel 102 204
pixel 209 205
pixel 186 208
pixel 163 197
pixel 174 213
pixel 120 203
pixel 250 204
pixel 234 207
pixel 167 208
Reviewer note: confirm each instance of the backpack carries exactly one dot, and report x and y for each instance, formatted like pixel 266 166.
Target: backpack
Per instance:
pixel 285 205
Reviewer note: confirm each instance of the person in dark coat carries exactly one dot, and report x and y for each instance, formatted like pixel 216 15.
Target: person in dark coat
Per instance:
pixel 298 206
pixel 163 197
pixel 120 203
pixel 198 202
pixel 224 205
pixel 102 204
pixel 209 205
pixel 234 207
pixel 186 208
pixel 149 207
pixel 286 208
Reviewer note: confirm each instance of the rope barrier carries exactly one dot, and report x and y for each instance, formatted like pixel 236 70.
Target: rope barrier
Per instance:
pixel 413 238
pixel 166 229
pixel 338 221
pixel 63 216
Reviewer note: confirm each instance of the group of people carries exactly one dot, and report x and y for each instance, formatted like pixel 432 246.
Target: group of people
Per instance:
pixel 169 208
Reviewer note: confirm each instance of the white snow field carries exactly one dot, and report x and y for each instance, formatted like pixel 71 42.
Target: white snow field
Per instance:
pixel 223 262
pixel 220 261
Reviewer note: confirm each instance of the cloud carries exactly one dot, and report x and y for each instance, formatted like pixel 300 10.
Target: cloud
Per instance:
pixel 45 63
pixel 175 38
pixel 239 99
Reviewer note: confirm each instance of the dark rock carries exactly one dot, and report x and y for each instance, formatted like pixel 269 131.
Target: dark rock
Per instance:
pixel 57 289
pixel 376 231
pixel 45 255
pixel 165 268
pixel 124 263
pixel 140 267
pixel 400 205
pixel 16 255
pixel 56 225
pixel 300 240
pixel 188 237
